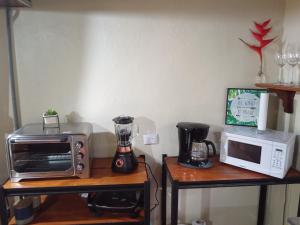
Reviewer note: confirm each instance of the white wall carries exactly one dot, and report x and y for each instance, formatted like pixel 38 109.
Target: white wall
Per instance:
pixel 291 36
pixel 162 61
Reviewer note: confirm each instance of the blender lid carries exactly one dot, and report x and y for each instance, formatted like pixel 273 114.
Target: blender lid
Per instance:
pixel 191 126
pixel 123 119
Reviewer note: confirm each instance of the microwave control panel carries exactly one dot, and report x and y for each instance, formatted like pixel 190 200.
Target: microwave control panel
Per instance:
pixel 277 158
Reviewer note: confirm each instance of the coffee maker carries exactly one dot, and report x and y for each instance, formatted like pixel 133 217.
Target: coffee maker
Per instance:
pixel 194 150
pixel 124 160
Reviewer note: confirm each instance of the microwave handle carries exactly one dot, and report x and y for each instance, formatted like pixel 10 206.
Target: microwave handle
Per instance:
pixel 28 141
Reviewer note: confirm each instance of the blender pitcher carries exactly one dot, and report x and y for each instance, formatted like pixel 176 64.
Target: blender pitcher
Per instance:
pixel 124 160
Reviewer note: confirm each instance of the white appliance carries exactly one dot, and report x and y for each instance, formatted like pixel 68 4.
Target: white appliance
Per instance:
pixel 269 152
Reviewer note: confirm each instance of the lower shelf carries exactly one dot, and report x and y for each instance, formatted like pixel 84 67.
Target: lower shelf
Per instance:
pixel 70 209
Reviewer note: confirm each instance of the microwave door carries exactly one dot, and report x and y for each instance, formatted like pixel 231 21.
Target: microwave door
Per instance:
pixel 53 156
pixel 249 154
pixel 244 151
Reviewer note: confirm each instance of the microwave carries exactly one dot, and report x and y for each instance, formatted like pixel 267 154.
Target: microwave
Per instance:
pixel 36 152
pixel 269 152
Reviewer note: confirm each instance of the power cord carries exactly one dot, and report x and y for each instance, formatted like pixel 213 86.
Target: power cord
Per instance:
pixel 284 205
pixel 156 184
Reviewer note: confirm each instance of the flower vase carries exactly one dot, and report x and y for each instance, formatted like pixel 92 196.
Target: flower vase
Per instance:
pixel 261 78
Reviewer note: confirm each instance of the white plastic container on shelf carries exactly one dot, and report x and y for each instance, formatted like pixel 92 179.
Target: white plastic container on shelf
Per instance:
pixel 199 222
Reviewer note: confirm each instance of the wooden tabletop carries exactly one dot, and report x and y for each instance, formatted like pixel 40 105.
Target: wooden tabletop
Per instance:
pixel 101 174
pixel 222 173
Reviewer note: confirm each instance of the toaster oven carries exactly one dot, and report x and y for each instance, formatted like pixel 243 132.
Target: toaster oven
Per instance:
pixel 34 152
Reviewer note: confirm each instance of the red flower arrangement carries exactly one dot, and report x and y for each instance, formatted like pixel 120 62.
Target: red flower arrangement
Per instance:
pixel 259 35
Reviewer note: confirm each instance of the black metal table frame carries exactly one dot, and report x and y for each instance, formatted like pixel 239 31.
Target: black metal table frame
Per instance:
pixel 176 185
pixel 4 194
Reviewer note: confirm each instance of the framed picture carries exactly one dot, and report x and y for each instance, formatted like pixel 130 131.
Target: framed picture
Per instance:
pixel 242 106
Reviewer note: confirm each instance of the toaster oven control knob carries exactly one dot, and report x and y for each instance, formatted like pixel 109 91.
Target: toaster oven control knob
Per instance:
pixel 80 167
pixel 80 156
pixel 78 145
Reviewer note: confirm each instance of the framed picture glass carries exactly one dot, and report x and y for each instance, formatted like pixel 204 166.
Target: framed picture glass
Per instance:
pixel 242 106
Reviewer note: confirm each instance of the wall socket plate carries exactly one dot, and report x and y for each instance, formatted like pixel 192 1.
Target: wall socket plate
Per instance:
pixel 150 139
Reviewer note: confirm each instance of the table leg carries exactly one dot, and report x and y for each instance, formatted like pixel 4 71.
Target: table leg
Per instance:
pixel 262 204
pixel 298 212
pixel 3 209
pixel 147 202
pixel 163 192
pixel 174 203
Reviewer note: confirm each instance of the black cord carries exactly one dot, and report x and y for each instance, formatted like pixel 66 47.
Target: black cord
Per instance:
pixel 7 207
pixel 156 184
pixel 284 205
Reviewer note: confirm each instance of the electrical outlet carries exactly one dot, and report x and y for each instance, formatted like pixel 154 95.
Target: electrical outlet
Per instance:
pixel 150 139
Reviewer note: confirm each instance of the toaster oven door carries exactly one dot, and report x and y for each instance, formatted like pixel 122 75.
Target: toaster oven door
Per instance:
pixel 41 157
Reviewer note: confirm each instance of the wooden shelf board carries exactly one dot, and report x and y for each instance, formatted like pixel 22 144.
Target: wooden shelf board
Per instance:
pixel 272 86
pixel 285 92
pixel 70 209
pixel 101 175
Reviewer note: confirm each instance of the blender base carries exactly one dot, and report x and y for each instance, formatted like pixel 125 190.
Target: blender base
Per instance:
pixel 124 162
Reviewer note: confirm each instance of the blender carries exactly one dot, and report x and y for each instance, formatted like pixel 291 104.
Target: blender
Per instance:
pixel 124 160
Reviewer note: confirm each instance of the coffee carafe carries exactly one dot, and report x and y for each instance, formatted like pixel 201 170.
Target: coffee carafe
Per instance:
pixel 194 149
pixel 124 160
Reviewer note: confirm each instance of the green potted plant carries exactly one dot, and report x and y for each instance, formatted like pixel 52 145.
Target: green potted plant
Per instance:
pixel 50 117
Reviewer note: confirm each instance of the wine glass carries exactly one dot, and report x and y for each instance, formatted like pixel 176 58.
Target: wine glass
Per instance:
pixel 293 58
pixel 280 60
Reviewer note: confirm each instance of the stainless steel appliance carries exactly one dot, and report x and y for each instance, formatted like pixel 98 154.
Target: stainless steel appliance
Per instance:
pixel 34 152
pixel 124 160
pixel 193 148
pixel 269 152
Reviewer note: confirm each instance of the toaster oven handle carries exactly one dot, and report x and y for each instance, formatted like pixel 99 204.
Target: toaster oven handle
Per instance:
pixel 28 141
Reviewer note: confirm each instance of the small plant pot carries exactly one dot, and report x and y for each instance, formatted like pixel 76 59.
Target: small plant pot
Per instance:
pixel 50 120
